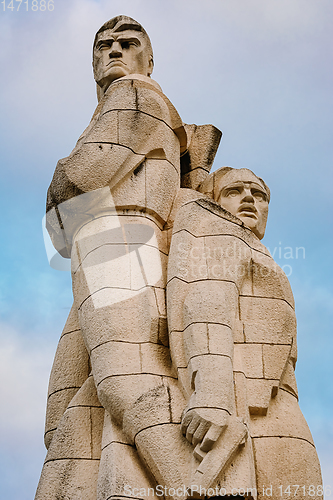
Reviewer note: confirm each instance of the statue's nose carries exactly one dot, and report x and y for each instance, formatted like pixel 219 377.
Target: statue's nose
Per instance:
pixel 116 50
pixel 248 196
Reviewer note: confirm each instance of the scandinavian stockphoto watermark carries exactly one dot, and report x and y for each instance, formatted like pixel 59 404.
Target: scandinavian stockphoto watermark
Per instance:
pixel 122 255
pixel 117 254
pixel 287 253
pixel 233 260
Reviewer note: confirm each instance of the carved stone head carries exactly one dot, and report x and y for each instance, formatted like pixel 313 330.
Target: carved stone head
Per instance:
pixel 243 194
pixel 121 47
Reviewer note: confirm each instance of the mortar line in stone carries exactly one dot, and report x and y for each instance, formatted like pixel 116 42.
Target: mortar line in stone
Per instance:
pixel 113 288
pixel 115 214
pixel 84 406
pixel 257 378
pixel 127 342
pixel 142 112
pixel 118 442
pixel 203 323
pixel 50 430
pixel 208 354
pixel 129 497
pixel 285 437
pixel 155 425
pixel 268 298
pixel 222 216
pixel 67 333
pixel 116 244
pixel 222 236
pixel 136 154
pixel 69 458
pixel 261 343
pixel 289 392
pixel 64 389
pixel 134 375
pixel 215 280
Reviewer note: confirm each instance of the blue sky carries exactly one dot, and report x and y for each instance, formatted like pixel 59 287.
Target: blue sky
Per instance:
pixel 261 71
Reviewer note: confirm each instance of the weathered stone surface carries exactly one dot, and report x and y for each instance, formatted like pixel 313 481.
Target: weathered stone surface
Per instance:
pixel 73 477
pixel 203 141
pixel 70 370
pixel 176 366
pixel 169 464
pixel 226 280
pixel 121 466
pixel 291 462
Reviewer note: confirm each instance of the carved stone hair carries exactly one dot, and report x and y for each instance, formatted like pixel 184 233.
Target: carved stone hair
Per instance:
pixel 210 186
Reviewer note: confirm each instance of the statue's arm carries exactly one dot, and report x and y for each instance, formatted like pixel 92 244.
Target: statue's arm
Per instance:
pixel 131 123
pixel 121 136
pixel 203 311
pixel 208 343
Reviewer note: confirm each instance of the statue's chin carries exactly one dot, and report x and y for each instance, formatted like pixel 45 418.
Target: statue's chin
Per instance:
pixel 252 224
pixel 113 74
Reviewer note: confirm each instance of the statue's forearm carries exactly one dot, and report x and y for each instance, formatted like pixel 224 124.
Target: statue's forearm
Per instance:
pixel 208 345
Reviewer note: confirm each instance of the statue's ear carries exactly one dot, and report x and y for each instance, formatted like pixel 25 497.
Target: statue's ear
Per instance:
pixel 150 65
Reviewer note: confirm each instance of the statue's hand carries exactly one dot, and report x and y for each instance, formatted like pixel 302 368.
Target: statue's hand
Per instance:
pixel 203 426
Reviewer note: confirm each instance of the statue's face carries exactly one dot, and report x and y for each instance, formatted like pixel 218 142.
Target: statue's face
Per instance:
pixel 120 54
pixel 243 195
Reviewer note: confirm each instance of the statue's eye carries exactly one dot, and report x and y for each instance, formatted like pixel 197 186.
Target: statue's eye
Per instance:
pixel 233 192
pixel 126 44
pixel 258 195
pixel 103 46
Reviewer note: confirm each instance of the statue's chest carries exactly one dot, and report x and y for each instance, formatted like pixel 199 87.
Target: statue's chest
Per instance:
pixel 267 330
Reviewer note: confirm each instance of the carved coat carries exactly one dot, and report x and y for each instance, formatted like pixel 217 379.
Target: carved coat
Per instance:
pixel 228 300
pixel 123 173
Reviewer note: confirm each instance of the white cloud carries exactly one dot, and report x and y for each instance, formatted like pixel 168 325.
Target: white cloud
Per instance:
pixel 255 69
pixel 25 363
pixel 53 73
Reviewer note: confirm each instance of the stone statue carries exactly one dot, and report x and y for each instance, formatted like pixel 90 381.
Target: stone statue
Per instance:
pixel 114 405
pixel 179 400
pixel 232 330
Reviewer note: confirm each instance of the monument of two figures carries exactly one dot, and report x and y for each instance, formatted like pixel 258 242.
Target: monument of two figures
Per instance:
pixel 174 375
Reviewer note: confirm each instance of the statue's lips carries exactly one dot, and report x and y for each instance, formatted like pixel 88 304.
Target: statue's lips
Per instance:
pixel 116 61
pixel 248 211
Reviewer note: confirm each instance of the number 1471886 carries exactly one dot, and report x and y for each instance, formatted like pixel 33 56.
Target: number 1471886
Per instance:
pixel 15 5
pixel 298 490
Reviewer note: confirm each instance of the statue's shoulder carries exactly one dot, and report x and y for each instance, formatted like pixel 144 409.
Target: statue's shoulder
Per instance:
pixel 204 217
pixel 141 94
